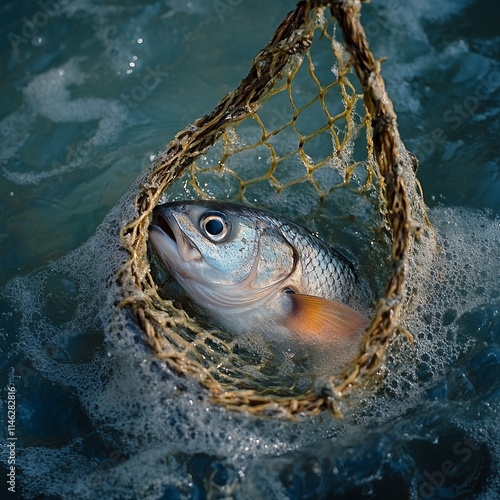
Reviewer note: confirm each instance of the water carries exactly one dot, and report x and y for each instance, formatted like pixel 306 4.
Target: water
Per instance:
pixel 90 91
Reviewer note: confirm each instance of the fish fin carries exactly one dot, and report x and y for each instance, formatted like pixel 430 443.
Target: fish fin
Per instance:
pixel 322 318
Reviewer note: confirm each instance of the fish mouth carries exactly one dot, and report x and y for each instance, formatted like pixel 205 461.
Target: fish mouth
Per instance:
pixel 160 222
pixel 169 241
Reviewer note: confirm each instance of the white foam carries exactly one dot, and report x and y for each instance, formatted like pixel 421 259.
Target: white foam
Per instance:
pixel 48 95
pixel 147 413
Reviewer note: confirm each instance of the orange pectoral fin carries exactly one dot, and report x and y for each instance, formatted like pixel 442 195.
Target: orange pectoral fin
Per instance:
pixel 318 317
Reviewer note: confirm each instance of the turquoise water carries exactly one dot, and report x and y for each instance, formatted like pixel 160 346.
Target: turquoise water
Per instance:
pixel 90 91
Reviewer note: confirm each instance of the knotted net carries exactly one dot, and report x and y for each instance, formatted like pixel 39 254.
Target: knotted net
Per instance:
pixel 300 132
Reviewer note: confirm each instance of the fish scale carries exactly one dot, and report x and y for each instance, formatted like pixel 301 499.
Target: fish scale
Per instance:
pixel 327 272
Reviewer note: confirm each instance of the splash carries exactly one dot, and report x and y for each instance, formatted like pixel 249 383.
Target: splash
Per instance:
pixel 129 412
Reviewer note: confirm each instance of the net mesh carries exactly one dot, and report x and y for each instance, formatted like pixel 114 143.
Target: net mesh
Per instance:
pixel 299 132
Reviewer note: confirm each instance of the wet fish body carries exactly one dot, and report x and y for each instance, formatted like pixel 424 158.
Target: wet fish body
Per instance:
pixel 251 270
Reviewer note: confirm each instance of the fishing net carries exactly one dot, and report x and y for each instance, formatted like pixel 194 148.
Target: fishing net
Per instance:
pixel 309 132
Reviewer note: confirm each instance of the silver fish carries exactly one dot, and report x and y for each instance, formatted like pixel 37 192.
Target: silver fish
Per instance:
pixel 252 271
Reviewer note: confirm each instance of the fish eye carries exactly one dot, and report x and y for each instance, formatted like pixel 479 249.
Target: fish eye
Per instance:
pixel 215 226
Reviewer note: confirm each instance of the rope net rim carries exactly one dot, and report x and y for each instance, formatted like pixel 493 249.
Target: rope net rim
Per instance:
pixel 292 38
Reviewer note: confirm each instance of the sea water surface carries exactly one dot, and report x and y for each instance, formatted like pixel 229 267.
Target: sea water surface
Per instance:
pixel 91 90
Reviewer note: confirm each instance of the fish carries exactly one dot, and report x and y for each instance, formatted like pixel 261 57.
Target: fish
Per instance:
pixel 253 271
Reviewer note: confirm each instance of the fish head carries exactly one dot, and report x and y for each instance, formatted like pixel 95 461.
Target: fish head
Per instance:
pixel 222 255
